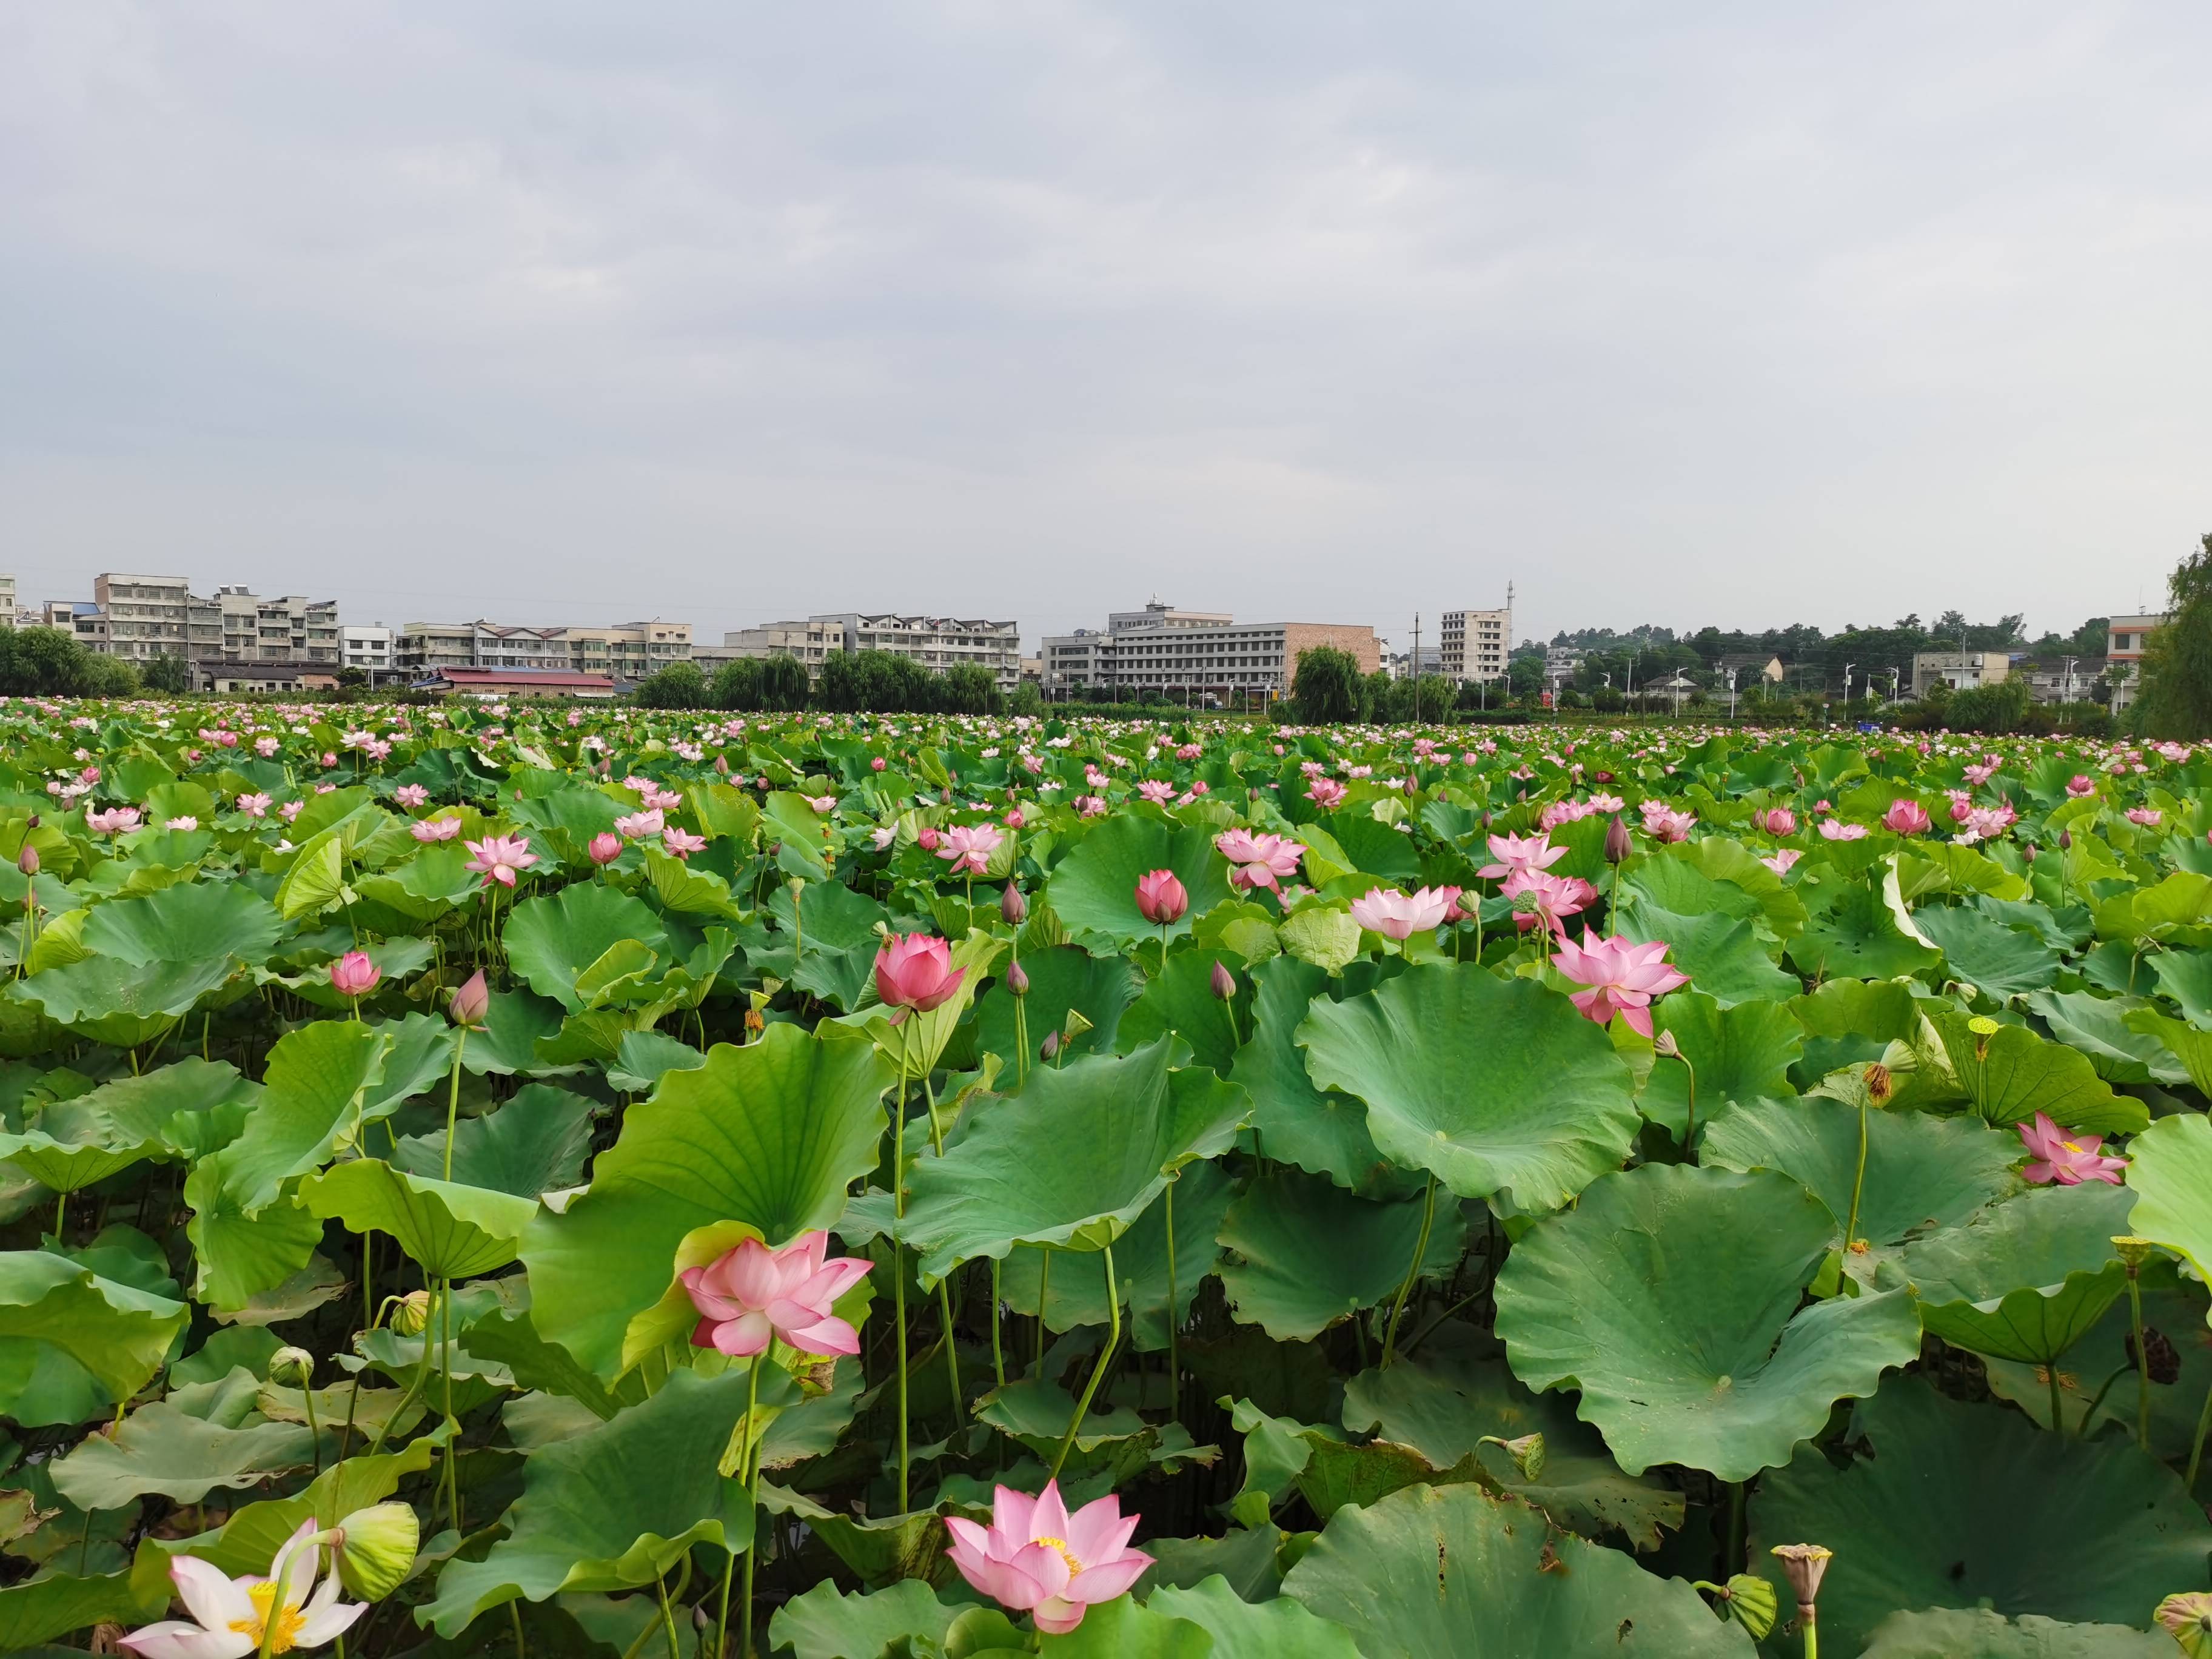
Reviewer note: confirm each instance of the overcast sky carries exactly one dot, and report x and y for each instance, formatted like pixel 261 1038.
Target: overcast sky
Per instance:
pixel 568 310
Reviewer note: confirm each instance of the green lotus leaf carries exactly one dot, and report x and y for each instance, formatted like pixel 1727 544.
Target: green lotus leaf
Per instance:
pixel 535 1143
pixel 1121 1629
pixel 1848 1020
pixel 315 879
pixel 2190 1047
pixel 1722 957
pixel 1322 1131
pixel 1322 935
pixel 78 1141
pixel 1963 1505
pixel 551 942
pixel 771 1134
pixel 1182 1000
pixel 1244 1558
pixel 315 1089
pixel 1857 936
pixel 249 1540
pixel 426 885
pixel 240 1255
pixel 612 1508
pixel 2170 1172
pixel 160 1448
pixel 224 1351
pixel 2186 976
pixel 110 1000
pixel 1311 1254
pixel 1451 1569
pixel 189 922
pixel 1070 1161
pixel 1500 1088
pixel 513 1025
pixel 825 1622
pixel 1943 1633
pixel 2172 1306
pixel 1456 1390
pixel 448 1229
pixel 1923 1173
pixel 2002 961
pixel 73 1345
pixel 1277 1629
pixel 1062 977
pixel 642 1057
pixel 1669 1296
pixel 1094 889
pixel 1740 1053
pixel 2098 1027
pixel 55 1604
pixel 2011 1076
pixel 2027 1279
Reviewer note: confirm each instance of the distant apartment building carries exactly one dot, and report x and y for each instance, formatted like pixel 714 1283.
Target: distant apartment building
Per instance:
pixel 937 643
pixel 1401 666
pixel 1962 671
pixel 1198 653
pixel 1474 644
pixel 2061 680
pixel 2125 648
pixel 1561 664
pixel 627 651
pixel 7 601
pixel 239 626
pixel 136 617
pixel 368 647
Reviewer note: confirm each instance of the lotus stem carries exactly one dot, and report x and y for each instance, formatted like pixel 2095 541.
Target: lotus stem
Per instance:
pixel 1690 1118
pixel 2081 1428
pixel 314 1433
pixel 898 1253
pixel 1174 1370
pixel 752 1519
pixel 453 1100
pixel 2142 1361
pixel 1858 1180
pixel 998 1356
pixel 1044 1286
pixel 1413 1273
pixel 2197 1445
pixel 514 1619
pixel 951 1353
pixel 1097 1371
pixel 1734 1563
pixel 452 1424
pixel 2058 1411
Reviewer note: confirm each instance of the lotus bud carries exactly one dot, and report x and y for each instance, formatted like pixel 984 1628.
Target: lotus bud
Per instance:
pixel 605 848
pixel 1881 1086
pixel 1048 1049
pixel 1013 908
pixel 945 797
pixel 376 1549
pixel 2188 1620
pixel 1752 1603
pixel 2028 852
pixel 2065 841
pixel 411 1315
pixel 1224 981
pixel 1018 979
pixel 1806 1565
pixel 293 1367
pixel 27 859
pixel 471 1001
pixel 722 764
pixel 1618 841
pixel 31 823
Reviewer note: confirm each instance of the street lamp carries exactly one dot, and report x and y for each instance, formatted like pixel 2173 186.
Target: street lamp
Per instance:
pixel 2066 691
pixel 1847 680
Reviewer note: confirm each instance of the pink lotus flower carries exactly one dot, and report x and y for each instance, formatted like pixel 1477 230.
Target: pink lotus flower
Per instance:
pixel 1161 898
pixel 1549 899
pixel 821 803
pixel 265 747
pixel 969 846
pixel 1262 860
pixel 2065 1158
pixel 1401 915
pixel 1836 830
pixel 1326 793
pixel 641 826
pixel 428 830
pixel 752 1296
pixel 501 858
pixel 253 805
pixel 1088 806
pixel 1662 822
pixel 680 843
pixel 1623 978
pixel 1782 860
pixel 1908 818
pixel 231 1616
pixel 471 1001
pixel 1036 1558
pixel 1988 822
pixel 1564 812
pixel 1518 853
pixel 2079 784
pixel 875 765
pixel 290 810
pixel 1156 789
pixel 116 821
pixel 354 975
pixel 1979 775
pixel 604 847
pixel 1777 821
pixel 915 970
pixel 411 795
pixel 2147 816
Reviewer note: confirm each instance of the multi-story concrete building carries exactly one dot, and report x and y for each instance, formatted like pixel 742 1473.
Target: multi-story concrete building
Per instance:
pixel 627 651
pixel 7 601
pixel 2125 648
pixel 1473 644
pixel 136 616
pixel 937 642
pixel 368 647
pixel 239 626
pixel 1198 654
pixel 1961 670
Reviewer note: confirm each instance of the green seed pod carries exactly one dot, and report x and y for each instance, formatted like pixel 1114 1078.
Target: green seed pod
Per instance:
pixel 377 1548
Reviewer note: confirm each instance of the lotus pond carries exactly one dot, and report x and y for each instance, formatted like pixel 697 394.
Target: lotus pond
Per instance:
pixel 560 1182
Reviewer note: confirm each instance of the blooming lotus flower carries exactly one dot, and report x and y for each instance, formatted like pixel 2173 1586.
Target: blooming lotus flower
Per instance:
pixel 1156 789
pixel 1401 915
pixel 1519 853
pixel 231 1616
pixel 883 835
pixel 1326 793
pixel 1546 900
pixel 680 843
pixel 116 821
pixel 1161 897
pixel 1908 818
pixel 1662 822
pixel 752 1296
pixel 254 805
pixel 501 858
pixel 354 975
pixel 1623 978
pixel 1836 830
pixel 265 747
pixel 821 803
pixel 1036 1558
pixel 1088 806
pixel 1777 821
pixel 428 830
pixel 411 795
pixel 1782 860
pixel 2065 1158
pixel 915 970
pixel 1262 860
pixel 641 826
pixel 1987 822
pixel 2080 784
pixel 2146 816
pixel 968 847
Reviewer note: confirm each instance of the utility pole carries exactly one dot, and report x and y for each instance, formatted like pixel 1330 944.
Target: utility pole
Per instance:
pixel 1417 668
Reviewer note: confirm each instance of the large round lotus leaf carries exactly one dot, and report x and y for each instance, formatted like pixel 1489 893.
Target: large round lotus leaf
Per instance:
pixel 535 1143
pixel 1945 1633
pixel 1324 1132
pixel 1722 956
pixel 1499 1087
pixel 614 1507
pixel 770 1134
pixel 1443 1400
pixel 1181 1000
pixel 2015 1075
pixel 2002 961
pixel 1451 1569
pixel 55 1604
pixel 73 1344
pixel 1072 1161
pixel 2172 1306
pixel 1741 1054
pixel 1277 1629
pixel 1922 1172
pixel 2170 1170
pixel 73 1143
pixel 2184 1045
pixel 316 1090
pixel 1858 937
pixel 1668 1295
pixel 1962 1505
pixel 1094 889
pixel 825 1622
pixel 449 1230
pixel 1310 1255
pixel 1061 978
pixel 189 922
pixel 160 1448
pixel 553 942
pixel 2098 1027
pixel 114 1001
pixel 2026 1280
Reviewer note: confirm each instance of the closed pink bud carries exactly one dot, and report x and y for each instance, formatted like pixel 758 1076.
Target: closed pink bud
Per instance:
pixel 354 975
pixel 27 859
pixel 1161 897
pixel 1018 979
pixel 1224 982
pixel 471 1002
pixel 1013 908
pixel 607 846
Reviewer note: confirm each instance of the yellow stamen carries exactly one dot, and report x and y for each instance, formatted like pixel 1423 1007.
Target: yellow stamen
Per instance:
pixel 263 1595
pixel 2070 1146
pixel 1068 1555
